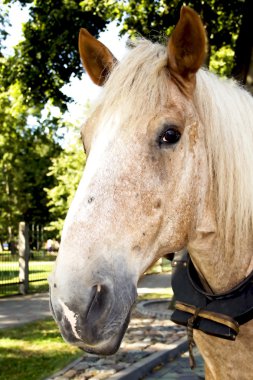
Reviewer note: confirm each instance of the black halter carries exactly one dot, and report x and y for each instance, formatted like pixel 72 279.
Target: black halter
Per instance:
pixel 216 314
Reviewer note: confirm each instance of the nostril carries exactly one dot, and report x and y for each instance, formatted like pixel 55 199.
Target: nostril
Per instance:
pixel 99 296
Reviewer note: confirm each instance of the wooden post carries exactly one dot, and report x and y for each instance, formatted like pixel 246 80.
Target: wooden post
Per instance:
pixel 24 251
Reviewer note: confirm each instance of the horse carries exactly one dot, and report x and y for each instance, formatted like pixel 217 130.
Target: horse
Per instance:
pixel 169 166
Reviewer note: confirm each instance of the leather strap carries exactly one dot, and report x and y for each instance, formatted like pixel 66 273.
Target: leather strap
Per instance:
pixel 212 316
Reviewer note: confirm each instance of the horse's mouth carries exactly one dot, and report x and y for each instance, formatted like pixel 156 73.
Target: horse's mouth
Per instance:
pixel 102 342
pixel 109 346
pixel 101 336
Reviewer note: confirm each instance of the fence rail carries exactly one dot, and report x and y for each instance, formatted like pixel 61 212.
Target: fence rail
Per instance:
pixel 39 267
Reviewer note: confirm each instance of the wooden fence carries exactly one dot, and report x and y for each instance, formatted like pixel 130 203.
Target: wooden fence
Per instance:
pixel 25 272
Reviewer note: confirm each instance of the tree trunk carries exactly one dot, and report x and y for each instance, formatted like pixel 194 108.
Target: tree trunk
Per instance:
pixel 24 252
pixel 244 45
pixel 11 243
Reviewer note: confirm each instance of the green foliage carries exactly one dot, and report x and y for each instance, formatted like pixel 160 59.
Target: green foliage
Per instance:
pixel 27 146
pixel 4 22
pixel 44 61
pixel 155 19
pixel 67 167
pixel 47 56
pixel 222 61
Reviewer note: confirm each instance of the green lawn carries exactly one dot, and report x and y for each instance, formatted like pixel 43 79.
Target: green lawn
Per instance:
pixel 33 351
pixel 168 293
pixel 39 269
pixel 10 270
pixel 162 265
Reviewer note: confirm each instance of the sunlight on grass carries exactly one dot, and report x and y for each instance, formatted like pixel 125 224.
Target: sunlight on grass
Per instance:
pixel 34 351
pixel 10 270
pixel 167 293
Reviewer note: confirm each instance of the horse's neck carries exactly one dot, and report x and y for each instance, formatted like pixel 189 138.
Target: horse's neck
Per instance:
pixel 222 274
pixel 221 270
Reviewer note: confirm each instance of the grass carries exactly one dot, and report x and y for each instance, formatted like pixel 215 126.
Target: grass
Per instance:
pixel 10 270
pixel 33 351
pixel 162 265
pixel 151 296
pixel 39 268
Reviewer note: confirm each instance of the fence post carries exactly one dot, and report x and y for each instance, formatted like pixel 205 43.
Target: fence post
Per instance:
pixel 24 251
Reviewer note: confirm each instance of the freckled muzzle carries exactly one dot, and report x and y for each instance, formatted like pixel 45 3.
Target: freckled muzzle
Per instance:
pixel 97 320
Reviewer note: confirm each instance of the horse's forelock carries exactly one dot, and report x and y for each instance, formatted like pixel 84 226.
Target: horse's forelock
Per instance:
pixel 139 83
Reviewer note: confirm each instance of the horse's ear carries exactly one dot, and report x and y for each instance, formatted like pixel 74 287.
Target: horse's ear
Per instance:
pixel 96 58
pixel 187 46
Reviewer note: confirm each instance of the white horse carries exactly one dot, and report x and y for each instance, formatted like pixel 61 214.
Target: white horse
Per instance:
pixel 170 165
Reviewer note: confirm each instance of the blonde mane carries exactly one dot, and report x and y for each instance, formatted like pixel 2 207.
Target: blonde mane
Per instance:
pixel 226 113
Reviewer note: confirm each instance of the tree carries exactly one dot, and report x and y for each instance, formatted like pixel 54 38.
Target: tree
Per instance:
pixel 67 168
pixel 28 144
pixel 4 21
pixel 244 44
pixel 27 148
pixel 47 56
pixel 156 19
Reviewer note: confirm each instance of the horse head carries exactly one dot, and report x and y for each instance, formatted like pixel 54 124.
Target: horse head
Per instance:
pixel 143 188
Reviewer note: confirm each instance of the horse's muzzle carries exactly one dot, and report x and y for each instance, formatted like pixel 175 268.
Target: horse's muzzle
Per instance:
pixel 97 322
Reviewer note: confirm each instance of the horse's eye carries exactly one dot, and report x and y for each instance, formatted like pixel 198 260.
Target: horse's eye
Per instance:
pixel 170 136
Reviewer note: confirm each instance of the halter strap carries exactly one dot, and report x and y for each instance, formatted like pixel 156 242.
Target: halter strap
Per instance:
pixel 219 314
pixel 199 283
